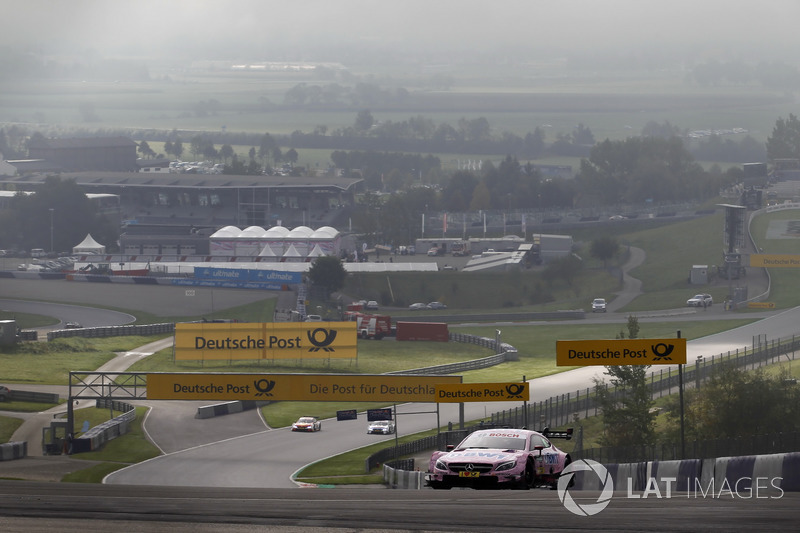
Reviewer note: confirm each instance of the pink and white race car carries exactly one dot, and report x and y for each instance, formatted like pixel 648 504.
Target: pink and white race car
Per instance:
pixel 500 458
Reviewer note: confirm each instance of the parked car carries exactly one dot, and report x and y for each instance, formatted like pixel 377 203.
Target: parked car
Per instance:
pixel 433 252
pixel 381 427
pixel 599 305
pixel 372 304
pixel 500 458
pixel 417 306
pixel 700 300
pixel 437 305
pixel 307 423
pixel 313 318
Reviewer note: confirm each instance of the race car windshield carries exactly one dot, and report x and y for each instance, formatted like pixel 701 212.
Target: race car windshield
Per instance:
pixel 494 442
pixel 305 421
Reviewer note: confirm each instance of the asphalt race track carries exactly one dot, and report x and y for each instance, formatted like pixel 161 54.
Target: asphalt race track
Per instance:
pixel 113 508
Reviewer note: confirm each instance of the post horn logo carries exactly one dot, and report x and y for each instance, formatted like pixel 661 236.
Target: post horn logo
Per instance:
pixel 515 390
pixel 662 351
pixel 324 344
pixel 264 386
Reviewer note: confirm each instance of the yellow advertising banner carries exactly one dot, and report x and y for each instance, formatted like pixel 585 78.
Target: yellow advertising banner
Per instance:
pixel 295 387
pixel 621 352
pixel 761 305
pixel 482 392
pixel 206 341
pixel 775 260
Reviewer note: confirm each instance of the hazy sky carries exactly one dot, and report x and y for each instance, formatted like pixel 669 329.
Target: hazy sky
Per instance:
pixel 255 29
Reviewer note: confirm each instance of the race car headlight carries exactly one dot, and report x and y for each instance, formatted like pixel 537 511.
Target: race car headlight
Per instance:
pixel 508 465
pixel 441 465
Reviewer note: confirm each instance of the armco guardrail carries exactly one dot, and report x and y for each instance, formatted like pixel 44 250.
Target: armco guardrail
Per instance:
pixel 28 335
pixel 400 478
pixel 102 433
pixel 113 331
pixel 432 442
pixel 227 408
pixel 712 477
pixel 506 352
pixel 13 450
pixel 504 317
pixel 31 396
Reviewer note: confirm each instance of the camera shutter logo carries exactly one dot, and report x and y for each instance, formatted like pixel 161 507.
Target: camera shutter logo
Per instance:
pixel 606 483
pixel 324 344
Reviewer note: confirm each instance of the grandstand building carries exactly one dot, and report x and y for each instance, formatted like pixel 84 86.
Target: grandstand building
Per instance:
pixel 174 214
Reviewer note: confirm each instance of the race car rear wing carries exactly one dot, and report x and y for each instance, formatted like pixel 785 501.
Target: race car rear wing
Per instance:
pixel 550 434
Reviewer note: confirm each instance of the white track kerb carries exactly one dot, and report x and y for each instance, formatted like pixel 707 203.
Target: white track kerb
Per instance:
pixel 587 509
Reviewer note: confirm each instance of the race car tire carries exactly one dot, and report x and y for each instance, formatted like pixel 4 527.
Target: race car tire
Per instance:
pixel 529 477
pixel 554 485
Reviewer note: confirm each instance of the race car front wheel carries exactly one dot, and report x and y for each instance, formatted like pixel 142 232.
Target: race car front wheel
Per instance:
pixel 529 477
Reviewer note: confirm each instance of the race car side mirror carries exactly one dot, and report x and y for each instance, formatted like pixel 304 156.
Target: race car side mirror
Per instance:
pixel 450 447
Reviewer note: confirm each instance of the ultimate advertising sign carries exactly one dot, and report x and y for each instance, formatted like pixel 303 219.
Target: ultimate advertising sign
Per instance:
pixel 483 392
pixel 295 387
pixel 204 341
pixel 621 352
pixel 240 278
pixel 248 274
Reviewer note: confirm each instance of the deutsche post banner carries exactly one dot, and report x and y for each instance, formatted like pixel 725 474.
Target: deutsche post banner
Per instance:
pixel 621 352
pixel 482 392
pixel 775 260
pixel 295 387
pixel 761 305
pixel 275 340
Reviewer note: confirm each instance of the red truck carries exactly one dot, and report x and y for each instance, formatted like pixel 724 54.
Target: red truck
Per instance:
pixel 371 326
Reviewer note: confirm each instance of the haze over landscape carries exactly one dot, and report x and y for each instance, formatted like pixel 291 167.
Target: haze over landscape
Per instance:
pixel 412 30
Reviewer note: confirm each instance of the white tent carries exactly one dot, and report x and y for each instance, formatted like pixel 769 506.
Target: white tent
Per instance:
pixel 292 254
pixel 89 246
pixel 267 251
pixel 316 252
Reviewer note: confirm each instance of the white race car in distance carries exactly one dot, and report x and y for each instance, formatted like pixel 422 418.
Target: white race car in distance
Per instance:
pixel 381 427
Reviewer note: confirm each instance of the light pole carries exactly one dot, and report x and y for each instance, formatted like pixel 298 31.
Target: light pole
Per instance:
pixel 51 230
